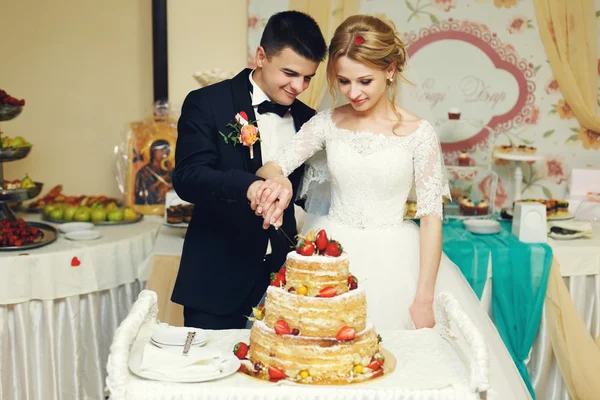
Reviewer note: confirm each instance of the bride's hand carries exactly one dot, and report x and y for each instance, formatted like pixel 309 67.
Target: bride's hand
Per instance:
pixel 274 192
pixel 422 314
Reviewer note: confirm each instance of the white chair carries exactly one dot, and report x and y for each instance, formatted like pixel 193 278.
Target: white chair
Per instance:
pixel 144 309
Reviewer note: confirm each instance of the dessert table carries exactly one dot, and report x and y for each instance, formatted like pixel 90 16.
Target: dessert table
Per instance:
pixel 60 306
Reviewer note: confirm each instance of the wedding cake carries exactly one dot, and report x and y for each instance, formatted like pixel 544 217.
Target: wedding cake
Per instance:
pixel 313 327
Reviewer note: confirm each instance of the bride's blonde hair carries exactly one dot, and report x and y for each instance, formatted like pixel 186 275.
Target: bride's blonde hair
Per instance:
pixel 380 49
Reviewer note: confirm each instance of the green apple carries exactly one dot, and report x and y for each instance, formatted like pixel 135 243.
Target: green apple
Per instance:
pixel 48 209
pixel 129 214
pixel 115 215
pixel 57 213
pixel 82 215
pixel 17 142
pixel 69 213
pixel 98 215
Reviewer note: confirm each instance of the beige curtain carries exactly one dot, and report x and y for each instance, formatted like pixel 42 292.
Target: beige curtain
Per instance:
pixel 569 34
pixel 577 353
pixel 329 14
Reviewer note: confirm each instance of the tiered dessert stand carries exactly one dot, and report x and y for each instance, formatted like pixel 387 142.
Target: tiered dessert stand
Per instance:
pixel 479 160
pixel 517 160
pixel 18 195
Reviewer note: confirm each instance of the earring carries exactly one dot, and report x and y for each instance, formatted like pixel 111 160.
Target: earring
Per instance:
pixel 390 80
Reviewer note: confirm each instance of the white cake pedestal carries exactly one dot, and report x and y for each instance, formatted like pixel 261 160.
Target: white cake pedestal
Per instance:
pixel 518 174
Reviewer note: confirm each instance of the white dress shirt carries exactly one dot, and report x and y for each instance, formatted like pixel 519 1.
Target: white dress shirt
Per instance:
pixel 274 131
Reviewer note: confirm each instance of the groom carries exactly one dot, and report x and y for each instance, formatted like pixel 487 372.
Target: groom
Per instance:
pixel 227 255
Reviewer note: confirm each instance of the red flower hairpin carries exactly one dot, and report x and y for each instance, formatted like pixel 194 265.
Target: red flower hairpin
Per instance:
pixel 358 40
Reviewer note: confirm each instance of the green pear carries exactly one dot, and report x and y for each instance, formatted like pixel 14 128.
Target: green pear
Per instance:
pixel 98 215
pixel 48 209
pixel 17 142
pixel 57 214
pixel 115 215
pixel 82 215
pixel 69 213
pixel 129 214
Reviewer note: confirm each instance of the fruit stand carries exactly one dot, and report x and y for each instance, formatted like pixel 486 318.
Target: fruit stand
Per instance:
pixel 16 234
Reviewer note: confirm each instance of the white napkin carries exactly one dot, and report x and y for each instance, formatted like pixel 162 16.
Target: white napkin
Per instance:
pixel 579 226
pixel 171 363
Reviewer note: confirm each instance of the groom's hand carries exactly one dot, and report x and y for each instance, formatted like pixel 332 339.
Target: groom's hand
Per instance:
pixel 275 193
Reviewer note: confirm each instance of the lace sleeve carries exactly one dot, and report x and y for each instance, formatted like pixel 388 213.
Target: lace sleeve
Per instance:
pixel 430 179
pixel 309 140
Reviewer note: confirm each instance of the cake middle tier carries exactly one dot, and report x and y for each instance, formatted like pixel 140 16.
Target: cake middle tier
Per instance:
pixel 316 316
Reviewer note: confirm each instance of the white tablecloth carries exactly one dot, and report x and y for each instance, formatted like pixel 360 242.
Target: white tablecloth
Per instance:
pixel 69 268
pixel 57 320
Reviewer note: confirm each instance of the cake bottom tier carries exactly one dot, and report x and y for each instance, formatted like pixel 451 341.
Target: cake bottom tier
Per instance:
pixel 313 360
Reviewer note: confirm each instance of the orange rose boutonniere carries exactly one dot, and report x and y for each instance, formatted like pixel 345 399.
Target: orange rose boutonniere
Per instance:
pixel 244 132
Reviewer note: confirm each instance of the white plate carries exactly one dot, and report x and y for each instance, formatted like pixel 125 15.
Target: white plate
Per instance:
pixel 83 235
pixel 75 226
pixel 570 215
pixel 230 366
pixel 180 225
pixel 176 336
pixel 558 236
pixel 482 226
pixel 169 346
pixel 517 156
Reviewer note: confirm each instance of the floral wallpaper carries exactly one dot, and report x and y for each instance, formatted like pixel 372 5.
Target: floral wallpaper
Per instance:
pixel 545 122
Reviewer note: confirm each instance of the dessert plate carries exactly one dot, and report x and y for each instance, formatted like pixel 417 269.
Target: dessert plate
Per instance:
pixel 75 226
pixel 167 335
pixel 228 364
pixel 482 226
pixel 83 235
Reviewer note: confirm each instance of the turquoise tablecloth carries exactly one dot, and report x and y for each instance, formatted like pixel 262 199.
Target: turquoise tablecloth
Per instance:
pixel 519 279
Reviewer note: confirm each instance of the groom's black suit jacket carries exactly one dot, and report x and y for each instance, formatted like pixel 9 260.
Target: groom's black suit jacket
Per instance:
pixel 225 243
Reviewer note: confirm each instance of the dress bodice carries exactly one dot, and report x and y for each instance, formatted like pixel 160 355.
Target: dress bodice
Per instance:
pixel 371 174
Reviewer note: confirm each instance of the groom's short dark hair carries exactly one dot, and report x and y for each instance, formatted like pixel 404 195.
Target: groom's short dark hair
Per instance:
pixel 297 31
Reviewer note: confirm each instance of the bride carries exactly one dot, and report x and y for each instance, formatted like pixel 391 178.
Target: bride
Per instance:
pixel 375 151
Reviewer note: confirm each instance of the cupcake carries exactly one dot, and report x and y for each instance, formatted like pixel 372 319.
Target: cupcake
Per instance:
pixel 187 212
pixel 454 113
pixel 562 208
pixel 464 160
pixel 483 207
pixel 175 215
pixel 468 207
pixel 530 149
pixel 505 148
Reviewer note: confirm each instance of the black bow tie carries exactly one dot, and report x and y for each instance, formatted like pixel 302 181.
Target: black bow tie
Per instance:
pixel 270 107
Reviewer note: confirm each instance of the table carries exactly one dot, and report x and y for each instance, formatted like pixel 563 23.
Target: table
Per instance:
pixel 60 306
pixel 429 365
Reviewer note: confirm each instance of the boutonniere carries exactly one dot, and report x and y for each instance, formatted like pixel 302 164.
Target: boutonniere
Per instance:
pixel 244 132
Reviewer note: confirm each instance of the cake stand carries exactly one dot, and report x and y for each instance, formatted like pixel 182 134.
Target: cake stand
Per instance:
pixel 518 159
pixel 18 195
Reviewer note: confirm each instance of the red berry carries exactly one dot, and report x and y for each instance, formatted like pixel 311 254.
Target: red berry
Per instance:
pixel 321 240
pixel 334 249
pixel 295 332
pixel 306 249
pixel 346 333
pixel 329 291
pixel 240 350
pixel 282 328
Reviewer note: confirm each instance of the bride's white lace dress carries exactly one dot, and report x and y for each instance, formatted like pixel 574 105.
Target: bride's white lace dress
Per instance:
pixel 371 176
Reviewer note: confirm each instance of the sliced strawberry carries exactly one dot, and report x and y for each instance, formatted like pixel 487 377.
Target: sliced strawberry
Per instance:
pixel 240 350
pixel 276 373
pixel 374 364
pixel 334 249
pixel 346 333
pixel 321 240
pixel 306 249
pixel 282 328
pixel 329 291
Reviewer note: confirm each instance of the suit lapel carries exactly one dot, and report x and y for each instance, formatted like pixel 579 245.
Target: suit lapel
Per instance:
pixel 299 114
pixel 243 102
